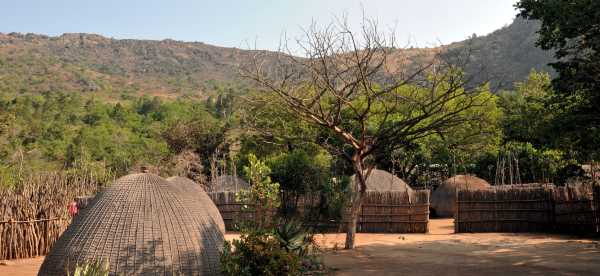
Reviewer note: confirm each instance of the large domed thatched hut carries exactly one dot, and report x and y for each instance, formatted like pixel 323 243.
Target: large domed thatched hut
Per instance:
pixel 229 183
pixel 382 181
pixel 443 199
pixel 142 224
pixel 193 189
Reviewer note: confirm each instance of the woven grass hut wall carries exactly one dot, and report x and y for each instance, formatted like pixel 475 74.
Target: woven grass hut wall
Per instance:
pixel 142 224
pixel 196 191
pixel 382 181
pixel 229 183
pixel 443 199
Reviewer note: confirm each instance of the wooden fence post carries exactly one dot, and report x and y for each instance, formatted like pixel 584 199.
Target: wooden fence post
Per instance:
pixel 457 212
pixel 596 205
pixel 552 202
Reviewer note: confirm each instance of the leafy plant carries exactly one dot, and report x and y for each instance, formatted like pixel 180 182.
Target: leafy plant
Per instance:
pixel 263 195
pixel 95 268
pixel 293 237
pixel 258 253
pixel 287 249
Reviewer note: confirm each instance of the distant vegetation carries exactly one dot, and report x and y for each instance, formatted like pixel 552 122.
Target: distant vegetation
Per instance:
pixel 119 69
pixel 505 56
pixel 58 131
pixel 82 99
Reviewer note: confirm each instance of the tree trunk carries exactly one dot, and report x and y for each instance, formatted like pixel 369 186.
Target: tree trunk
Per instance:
pixel 352 223
pixel 357 199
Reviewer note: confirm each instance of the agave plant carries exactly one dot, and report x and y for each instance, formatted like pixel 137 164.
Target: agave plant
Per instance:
pixel 293 236
pixel 95 268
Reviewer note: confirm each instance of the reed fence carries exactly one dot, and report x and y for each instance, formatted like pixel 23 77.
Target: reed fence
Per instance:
pixel 574 210
pixel 33 213
pixel 232 211
pixel 528 208
pixel 381 212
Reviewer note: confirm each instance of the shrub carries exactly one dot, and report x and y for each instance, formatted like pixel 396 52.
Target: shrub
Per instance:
pixel 298 171
pixel 95 268
pixel 287 249
pixel 263 194
pixel 258 253
pixel 293 237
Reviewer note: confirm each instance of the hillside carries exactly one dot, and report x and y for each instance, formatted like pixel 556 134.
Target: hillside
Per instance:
pixel 506 55
pixel 92 64
pixel 113 68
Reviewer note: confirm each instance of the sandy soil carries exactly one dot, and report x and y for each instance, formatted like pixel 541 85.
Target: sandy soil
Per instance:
pixel 443 253
pixel 21 267
pixel 439 253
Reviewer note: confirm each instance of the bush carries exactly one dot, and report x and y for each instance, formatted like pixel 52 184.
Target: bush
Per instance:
pixel 258 253
pixel 263 194
pixel 298 171
pixel 96 268
pixel 288 249
pixel 293 237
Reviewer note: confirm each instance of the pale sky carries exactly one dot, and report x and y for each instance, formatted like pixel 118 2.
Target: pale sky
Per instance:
pixel 234 23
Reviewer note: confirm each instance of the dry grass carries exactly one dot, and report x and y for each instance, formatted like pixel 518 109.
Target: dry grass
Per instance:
pixel 33 214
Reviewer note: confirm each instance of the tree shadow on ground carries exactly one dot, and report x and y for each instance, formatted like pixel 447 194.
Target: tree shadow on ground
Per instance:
pixel 457 257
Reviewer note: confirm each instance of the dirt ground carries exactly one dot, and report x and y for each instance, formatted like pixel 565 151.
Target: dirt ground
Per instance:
pixel 443 253
pixel 439 252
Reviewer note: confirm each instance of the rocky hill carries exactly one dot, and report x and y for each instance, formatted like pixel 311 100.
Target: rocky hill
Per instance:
pixel 113 68
pixel 506 55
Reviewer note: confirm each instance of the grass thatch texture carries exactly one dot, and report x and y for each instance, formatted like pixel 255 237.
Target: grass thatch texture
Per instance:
pixel 383 181
pixel 443 199
pixel 228 183
pixel 141 224
pixel 197 192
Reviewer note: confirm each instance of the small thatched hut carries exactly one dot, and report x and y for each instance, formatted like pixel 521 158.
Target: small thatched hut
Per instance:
pixel 229 183
pixel 443 199
pixel 195 190
pixel 382 181
pixel 142 224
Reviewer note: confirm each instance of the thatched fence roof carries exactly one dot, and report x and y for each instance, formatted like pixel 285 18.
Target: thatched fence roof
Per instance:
pixel 142 224
pixel 443 199
pixel 228 183
pixel 195 190
pixel 382 181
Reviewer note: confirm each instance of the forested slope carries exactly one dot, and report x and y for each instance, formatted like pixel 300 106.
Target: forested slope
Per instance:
pixel 116 69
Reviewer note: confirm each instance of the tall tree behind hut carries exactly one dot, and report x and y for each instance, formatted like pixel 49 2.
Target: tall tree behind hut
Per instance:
pixel 363 95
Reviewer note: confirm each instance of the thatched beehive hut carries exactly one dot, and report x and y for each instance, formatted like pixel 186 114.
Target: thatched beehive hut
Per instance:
pixel 229 183
pixel 382 181
pixel 443 199
pixel 142 224
pixel 193 189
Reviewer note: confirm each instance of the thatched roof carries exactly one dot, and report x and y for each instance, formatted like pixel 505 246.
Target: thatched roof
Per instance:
pixel 381 181
pixel 195 190
pixel 443 199
pixel 142 224
pixel 229 183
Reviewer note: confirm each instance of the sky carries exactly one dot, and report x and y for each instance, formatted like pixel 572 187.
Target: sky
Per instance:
pixel 254 23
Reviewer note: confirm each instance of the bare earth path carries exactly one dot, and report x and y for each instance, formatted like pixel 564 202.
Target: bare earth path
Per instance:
pixel 443 253
pixel 439 253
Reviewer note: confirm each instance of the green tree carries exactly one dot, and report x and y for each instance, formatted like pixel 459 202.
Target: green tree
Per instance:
pixel 526 117
pixel 345 88
pixel 297 171
pixel 570 28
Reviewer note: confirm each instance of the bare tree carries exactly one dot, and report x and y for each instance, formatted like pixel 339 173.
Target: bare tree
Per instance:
pixel 359 88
